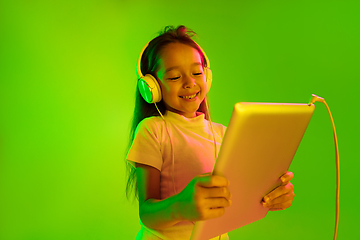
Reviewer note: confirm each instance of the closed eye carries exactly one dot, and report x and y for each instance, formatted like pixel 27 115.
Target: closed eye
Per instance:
pixel 197 73
pixel 175 78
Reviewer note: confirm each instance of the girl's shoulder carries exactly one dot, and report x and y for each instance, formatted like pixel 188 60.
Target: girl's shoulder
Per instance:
pixel 219 128
pixel 218 125
pixel 153 120
pixel 153 123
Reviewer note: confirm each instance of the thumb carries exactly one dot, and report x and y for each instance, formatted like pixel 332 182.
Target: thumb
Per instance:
pixel 208 180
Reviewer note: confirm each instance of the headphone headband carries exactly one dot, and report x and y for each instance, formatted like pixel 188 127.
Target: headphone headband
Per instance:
pixel 140 75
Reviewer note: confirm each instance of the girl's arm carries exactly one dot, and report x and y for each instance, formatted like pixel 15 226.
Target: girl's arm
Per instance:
pixel 204 197
pixel 154 213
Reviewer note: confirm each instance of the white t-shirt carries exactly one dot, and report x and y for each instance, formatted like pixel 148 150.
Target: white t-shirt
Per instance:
pixel 183 144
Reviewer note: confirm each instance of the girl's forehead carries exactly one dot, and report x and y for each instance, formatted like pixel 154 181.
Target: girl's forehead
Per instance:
pixel 179 54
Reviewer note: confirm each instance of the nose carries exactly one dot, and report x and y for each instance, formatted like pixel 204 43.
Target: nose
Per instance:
pixel 189 82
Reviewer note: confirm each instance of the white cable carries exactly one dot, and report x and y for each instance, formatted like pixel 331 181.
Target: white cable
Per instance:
pixel 172 149
pixel 212 128
pixel 314 99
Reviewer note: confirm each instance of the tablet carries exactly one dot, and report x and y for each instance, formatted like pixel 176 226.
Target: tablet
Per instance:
pixel 258 147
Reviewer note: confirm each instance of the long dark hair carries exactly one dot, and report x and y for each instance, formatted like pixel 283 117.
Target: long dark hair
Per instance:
pixel 149 65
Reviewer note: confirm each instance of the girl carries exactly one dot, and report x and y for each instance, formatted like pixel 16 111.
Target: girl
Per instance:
pixel 173 142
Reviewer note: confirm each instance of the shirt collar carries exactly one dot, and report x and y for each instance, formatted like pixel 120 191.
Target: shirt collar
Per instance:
pixel 175 117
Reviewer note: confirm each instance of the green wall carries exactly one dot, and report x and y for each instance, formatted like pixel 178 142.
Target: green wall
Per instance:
pixel 68 79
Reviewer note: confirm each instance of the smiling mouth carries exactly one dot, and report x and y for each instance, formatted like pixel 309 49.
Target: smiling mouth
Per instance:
pixel 190 97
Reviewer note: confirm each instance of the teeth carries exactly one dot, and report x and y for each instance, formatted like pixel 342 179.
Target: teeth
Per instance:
pixel 189 97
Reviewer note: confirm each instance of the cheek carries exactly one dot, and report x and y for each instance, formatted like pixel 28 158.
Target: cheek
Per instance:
pixel 164 88
pixel 168 92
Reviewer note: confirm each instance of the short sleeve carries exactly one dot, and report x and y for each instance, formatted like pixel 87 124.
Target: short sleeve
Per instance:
pixel 219 129
pixel 146 146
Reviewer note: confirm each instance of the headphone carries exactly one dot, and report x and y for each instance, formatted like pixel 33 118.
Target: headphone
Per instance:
pixel 149 87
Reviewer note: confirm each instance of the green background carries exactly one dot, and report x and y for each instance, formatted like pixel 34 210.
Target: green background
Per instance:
pixel 67 95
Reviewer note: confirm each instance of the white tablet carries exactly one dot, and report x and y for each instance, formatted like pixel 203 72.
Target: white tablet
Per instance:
pixel 258 147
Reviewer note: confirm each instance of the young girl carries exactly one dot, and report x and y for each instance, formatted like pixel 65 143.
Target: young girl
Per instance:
pixel 174 144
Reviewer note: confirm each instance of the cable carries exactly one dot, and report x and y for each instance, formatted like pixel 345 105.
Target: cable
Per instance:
pixel 213 133
pixel 314 99
pixel 172 149
pixel 212 128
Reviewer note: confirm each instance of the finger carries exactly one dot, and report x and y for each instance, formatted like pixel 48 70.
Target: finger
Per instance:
pixel 212 181
pixel 277 192
pixel 276 209
pixel 213 207
pixel 278 202
pixel 285 178
pixel 211 203
pixel 216 192
pixel 214 213
pixel 283 205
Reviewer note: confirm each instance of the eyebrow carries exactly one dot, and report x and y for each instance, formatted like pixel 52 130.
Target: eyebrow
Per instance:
pixel 174 67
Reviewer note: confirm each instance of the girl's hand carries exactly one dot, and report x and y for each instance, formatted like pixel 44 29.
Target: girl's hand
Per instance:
pixel 281 197
pixel 205 197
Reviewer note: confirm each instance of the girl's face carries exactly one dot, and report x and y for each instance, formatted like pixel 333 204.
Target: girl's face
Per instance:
pixel 181 78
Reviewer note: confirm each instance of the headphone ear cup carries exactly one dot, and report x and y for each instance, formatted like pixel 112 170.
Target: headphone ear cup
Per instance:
pixel 208 76
pixel 149 89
